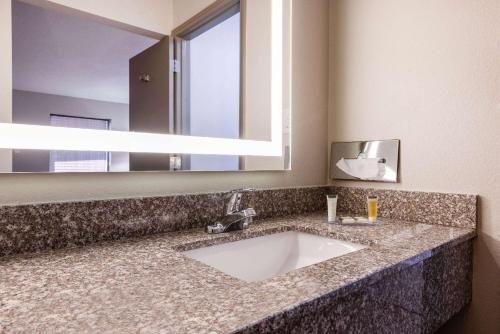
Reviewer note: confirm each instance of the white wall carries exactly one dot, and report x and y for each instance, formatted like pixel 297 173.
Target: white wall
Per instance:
pixel 35 108
pixel 428 72
pixel 310 97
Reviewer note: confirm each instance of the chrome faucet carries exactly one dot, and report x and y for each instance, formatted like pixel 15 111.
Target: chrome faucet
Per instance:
pixel 233 218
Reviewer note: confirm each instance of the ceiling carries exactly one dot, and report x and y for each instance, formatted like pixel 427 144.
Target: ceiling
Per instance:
pixel 62 54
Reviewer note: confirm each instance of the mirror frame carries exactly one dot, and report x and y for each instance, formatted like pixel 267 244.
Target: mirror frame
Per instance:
pixel 38 137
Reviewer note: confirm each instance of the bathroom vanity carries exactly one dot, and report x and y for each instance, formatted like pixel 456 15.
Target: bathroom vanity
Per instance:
pixel 406 277
pixel 211 93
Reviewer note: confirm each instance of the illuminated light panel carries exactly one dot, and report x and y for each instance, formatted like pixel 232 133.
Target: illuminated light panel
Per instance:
pixel 277 72
pixel 38 137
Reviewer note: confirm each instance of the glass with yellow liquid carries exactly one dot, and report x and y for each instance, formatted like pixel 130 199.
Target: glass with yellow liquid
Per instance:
pixel 372 202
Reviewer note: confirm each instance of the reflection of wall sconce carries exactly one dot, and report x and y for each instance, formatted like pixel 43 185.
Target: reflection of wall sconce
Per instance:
pixel 368 161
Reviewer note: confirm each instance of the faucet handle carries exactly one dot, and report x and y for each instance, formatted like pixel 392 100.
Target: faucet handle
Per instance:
pixel 234 197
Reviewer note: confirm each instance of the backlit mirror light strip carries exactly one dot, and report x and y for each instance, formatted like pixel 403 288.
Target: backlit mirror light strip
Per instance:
pixel 37 137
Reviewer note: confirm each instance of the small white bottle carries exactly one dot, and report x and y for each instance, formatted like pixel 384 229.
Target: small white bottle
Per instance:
pixel 331 201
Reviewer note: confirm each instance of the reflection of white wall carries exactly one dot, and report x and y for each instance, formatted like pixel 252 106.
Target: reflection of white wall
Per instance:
pixel 35 108
pixel 153 15
pixel 185 9
pixel 215 90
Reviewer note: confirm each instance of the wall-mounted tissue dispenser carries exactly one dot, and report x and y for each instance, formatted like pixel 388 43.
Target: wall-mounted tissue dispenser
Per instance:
pixel 375 160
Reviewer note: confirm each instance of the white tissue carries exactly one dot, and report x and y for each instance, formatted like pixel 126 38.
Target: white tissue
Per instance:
pixel 362 168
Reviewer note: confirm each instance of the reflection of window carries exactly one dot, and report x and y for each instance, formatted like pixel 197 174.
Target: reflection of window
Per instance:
pixel 79 161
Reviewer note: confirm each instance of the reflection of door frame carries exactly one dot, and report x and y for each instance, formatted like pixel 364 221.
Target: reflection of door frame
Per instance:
pixel 198 24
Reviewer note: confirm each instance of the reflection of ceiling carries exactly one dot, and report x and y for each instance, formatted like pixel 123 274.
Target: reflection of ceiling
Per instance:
pixel 65 55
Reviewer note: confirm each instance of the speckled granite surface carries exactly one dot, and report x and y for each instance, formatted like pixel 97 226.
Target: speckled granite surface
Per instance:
pixel 33 228
pixel 146 285
pixel 458 210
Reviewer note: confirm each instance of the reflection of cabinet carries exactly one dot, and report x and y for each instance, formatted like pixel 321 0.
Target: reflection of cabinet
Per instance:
pixel 150 87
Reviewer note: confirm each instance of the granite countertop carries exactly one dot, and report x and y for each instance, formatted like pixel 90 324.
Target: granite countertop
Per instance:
pixel 146 285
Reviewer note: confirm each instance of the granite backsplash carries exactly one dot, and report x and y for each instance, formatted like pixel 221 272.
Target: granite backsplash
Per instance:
pixel 457 210
pixel 38 227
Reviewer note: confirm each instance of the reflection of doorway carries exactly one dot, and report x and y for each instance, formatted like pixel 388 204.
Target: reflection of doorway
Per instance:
pixel 208 85
pixel 79 161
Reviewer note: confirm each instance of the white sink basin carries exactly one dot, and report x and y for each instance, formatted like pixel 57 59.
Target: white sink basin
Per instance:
pixel 264 257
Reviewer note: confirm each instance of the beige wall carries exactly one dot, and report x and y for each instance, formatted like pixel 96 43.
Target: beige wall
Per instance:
pixel 257 80
pixel 257 68
pixel 428 72
pixel 310 104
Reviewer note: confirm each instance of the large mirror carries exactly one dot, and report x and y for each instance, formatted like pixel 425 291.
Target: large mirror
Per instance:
pixel 212 78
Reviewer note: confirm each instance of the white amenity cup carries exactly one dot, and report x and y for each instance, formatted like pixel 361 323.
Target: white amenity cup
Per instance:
pixel 331 201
